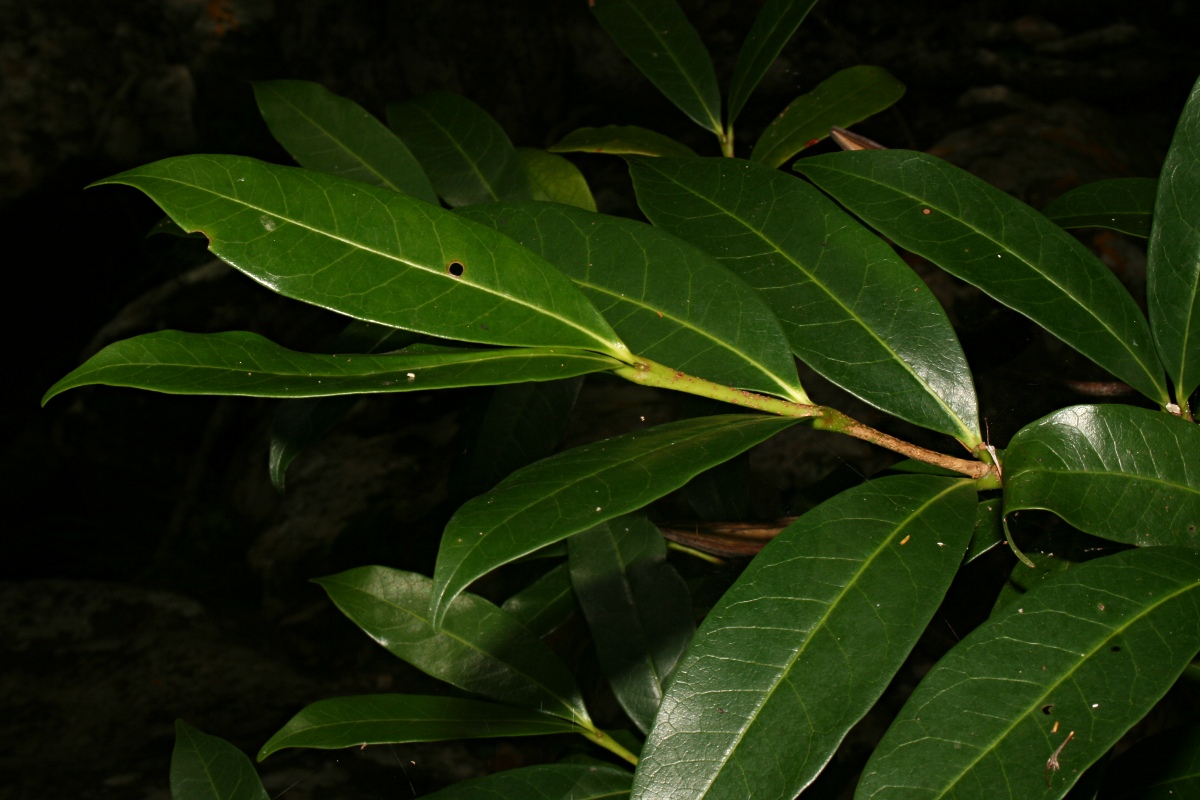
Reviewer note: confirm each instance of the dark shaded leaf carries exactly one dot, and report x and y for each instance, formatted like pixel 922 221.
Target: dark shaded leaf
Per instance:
pixel 1165 766
pixel 1120 204
pixel 772 28
pixel 205 767
pixel 988 532
pixel 554 179
pixel 545 604
pixel 622 140
pixel 544 782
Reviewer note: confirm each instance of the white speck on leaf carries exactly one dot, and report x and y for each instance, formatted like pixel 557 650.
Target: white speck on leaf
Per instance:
pixel 268 223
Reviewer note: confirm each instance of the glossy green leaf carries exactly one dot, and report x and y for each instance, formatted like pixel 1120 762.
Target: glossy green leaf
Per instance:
pixel 246 364
pixel 657 37
pixel 545 604
pixel 554 179
pixel 1173 260
pixel 992 240
pixel 805 642
pixel 467 156
pixel 1165 766
pixel 1120 204
pixel 1022 579
pixel 544 782
pixel 577 489
pixel 1127 474
pixel 394 718
pixel 372 254
pixel 988 532
pixel 1084 657
pixel 299 423
pixel 622 140
pixel 668 300
pixel 521 423
pixel 637 607
pixel 851 309
pixel 842 99
pixel 206 767
pixel 328 133
pixel 478 647
pixel 772 28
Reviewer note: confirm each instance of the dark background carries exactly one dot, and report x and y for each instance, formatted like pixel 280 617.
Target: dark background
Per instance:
pixel 150 571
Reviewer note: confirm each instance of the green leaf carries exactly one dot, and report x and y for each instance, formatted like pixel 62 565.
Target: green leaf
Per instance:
pixel 669 301
pixel 622 140
pixel 988 532
pixel 555 179
pixel 986 237
pixel 805 642
pixel 246 364
pixel 372 254
pixel 570 492
pixel 851 309
pixel 772 28
pixel 395 718
pixel 1022 579
pixel 637 607
pixel 1082 657
pixel 544 782
pixel 328 133
pixel 1120 204
pixel 1173 260
pixel 205 767
pixel 467 156
pixel 477 647
pixel 1165 766
pixel 657 37
pixel 842 99
pixel 545 604
pixel 1127 474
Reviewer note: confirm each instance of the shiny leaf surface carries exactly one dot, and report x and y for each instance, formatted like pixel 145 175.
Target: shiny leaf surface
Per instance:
pixel 805 642
pixel 657 37
pixel 622 140
pixel 328 133
pixel 477 648
pixel 772 28
pixel 987 533
pixel 545 604
pixel 988 238
pixel 1120 204
pixel 1173 260
pixel 246 364
pixel 205 767
pixel 1165 766
pixel 851 309
pixel 842 99
pixel 637 607
pixel 393 718
pixel 570 492
pixel 467 156
pixel 1057 678
pixel 544 782
pixel 554 179
pixel 1127 474
pixel 372 254
pixel 667 300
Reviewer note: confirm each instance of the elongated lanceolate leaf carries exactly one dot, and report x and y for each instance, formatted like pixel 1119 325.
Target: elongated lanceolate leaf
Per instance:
pixel 394 718
pixel 988 238
pixel 657 37
pixel 372 254
pixel 570 492
pixel 1120 204
pixel 328 133
pixel 667 300
pixel 205 767
pixel 806 641
pixel 637 607
pixel 467 156
pixel 622 140
pixel 773 27
pixel 988 532
pixel 1055 679
pixel 1165 766
pixel 553 178
pixel 545 604
pixel 842 99
pixel 1173 261
pixel 851 309
pixel 246 364
pixel 477 648
pixel 544 782
pixel 1123 473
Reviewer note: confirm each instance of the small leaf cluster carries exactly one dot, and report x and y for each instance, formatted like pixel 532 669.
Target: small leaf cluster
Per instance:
pixel 460 260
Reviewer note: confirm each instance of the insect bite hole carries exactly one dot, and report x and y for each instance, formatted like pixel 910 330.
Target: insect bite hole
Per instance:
pixel 456 268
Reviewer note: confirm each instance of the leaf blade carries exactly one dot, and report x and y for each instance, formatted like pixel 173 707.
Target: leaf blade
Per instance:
pixel 206 767
pixel 621 140
pixel 1119 204
pixel 545 604
pixel 554 179
pixel 772 29
pixel 1160 767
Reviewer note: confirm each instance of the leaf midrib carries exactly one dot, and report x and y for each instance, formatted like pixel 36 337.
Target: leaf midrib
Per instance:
pixel 487 185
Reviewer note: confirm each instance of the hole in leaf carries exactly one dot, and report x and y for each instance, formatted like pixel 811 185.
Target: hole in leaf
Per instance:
pixel 1116 648
pixel 456 268
pixel 1046 709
